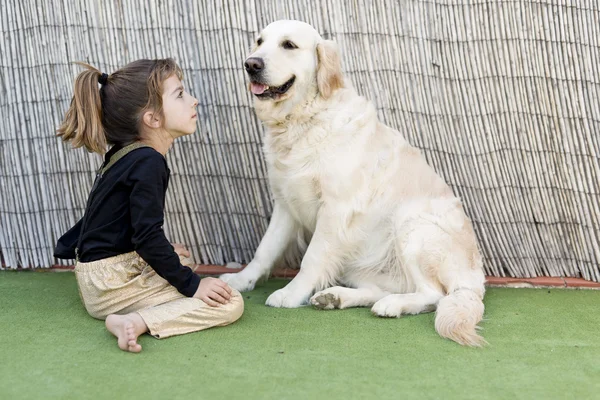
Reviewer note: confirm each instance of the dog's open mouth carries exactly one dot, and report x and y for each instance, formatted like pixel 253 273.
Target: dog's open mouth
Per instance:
pixel 261 90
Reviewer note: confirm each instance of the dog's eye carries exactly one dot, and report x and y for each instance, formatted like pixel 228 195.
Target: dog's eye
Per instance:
pixel 288 45
pixel 259 42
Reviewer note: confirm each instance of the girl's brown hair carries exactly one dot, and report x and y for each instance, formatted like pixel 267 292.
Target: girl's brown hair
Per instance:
pixel 111 114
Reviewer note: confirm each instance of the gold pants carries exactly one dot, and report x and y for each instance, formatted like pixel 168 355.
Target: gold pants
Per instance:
pixel 126 283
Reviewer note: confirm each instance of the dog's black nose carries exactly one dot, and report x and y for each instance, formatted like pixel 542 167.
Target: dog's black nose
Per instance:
pixel 254 65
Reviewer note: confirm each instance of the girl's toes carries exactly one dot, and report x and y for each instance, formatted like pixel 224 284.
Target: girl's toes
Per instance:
pixel 134 347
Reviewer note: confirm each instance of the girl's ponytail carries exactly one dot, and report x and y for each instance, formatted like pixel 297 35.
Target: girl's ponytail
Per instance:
pixel 112 114
pixel 82 125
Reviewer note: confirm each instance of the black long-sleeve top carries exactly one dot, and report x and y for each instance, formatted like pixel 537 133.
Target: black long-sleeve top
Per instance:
pixel 125 212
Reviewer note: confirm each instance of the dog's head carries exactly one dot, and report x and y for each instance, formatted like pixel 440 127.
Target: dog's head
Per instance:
pixel 290 61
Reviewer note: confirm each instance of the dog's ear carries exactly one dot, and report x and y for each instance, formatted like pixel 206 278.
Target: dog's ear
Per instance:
pixel 329 69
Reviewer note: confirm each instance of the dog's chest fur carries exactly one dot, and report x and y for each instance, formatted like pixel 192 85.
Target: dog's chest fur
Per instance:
pixel 313 160
pixel 296 163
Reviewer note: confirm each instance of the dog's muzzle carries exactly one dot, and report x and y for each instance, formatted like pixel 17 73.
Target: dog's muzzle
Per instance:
pixel 254 67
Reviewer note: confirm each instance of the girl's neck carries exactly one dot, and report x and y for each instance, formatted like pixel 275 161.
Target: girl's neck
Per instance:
pixel 160 141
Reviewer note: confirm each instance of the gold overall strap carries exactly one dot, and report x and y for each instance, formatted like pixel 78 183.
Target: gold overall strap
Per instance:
pixel 120 154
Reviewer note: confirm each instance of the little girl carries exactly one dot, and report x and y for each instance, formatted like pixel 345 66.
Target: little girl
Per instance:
pixel 127 271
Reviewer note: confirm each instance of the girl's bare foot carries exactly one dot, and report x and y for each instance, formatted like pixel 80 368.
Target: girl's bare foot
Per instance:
pixel 127 328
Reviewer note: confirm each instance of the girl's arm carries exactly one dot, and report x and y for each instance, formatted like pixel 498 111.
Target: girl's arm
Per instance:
pixel 150 178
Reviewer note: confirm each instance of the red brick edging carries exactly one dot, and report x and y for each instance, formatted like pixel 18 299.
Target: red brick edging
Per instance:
pixel 543 281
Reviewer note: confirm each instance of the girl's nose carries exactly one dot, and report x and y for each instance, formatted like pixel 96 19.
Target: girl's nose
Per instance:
pixel 195 102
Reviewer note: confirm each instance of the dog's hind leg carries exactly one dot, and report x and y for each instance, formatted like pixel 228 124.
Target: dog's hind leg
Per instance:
pixel 343 297
pixel 424 297
pixel 395 305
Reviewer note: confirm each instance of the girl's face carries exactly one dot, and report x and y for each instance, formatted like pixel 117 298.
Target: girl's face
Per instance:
pixel 179 109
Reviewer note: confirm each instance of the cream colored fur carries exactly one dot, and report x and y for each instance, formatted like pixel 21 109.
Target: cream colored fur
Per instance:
pixel 387 232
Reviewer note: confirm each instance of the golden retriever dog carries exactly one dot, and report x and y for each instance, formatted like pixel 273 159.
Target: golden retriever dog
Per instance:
pixel 385 231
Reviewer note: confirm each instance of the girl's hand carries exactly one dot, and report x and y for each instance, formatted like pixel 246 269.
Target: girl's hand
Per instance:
pixel 213 292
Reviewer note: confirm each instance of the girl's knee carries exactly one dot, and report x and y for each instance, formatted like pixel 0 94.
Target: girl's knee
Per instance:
pixel 96 311
pixel 96 314
pixel 236 306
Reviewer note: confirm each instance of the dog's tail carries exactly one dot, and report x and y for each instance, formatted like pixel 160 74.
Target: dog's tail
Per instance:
pixel 458 314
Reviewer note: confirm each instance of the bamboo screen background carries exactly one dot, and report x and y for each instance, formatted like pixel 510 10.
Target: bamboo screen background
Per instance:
pixel 502 97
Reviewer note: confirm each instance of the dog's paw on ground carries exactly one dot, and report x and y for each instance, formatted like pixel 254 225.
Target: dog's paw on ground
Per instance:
pixel 239 282
pixel 325 300
pixel 387 307
pixel 284 298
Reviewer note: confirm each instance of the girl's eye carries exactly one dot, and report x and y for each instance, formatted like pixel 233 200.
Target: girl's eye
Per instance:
pixel 180 94
pixel 288 45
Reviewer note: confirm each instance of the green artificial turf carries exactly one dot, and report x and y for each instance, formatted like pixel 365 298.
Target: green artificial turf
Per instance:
pixel 544 344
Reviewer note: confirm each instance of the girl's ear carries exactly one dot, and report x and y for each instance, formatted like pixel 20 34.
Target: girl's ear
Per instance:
pixel 149 119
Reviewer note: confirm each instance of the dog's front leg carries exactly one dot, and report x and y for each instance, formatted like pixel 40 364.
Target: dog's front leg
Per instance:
pixel 281 231
pixel 318 270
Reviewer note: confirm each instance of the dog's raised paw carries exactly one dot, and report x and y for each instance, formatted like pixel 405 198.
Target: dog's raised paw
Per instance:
pixel 325 301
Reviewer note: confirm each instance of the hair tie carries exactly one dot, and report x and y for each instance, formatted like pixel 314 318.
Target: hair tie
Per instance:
pixel 102 79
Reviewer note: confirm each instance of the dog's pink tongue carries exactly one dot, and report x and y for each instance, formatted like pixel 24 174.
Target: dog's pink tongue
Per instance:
pixel 257 88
